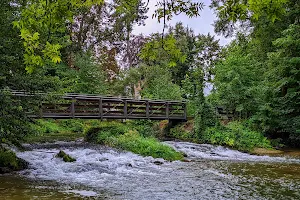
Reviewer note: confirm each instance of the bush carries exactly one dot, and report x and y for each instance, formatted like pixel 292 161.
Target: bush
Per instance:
pixel 106 129
pixel 235 135
pixel 184 132
pixel 124 137
pixel 144 127
pixel 134 142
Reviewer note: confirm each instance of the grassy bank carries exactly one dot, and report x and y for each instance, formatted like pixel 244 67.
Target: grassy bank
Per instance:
pixel 135 136
pixel 126 137
pixel 59 130
pixel 234 135
pixel 139 136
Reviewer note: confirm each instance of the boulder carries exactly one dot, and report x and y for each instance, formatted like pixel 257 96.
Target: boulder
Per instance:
pixel 65 157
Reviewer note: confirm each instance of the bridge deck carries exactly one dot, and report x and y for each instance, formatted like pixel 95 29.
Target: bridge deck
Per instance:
pixel 100 107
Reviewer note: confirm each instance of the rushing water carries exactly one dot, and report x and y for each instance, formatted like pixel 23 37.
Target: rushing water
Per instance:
pixel 212 172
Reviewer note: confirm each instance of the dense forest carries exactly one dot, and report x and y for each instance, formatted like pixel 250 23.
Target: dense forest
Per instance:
pixel 75 46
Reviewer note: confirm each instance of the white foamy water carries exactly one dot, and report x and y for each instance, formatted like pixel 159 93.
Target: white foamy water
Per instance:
pixel 129 176
pixel 207 151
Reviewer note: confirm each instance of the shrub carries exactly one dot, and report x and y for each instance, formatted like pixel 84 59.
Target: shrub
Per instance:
pixel 144 127
pixel 124 137
pixel 235 135
pixel 98 134
pixel 134 142
pixel 72 125
pixel 180 132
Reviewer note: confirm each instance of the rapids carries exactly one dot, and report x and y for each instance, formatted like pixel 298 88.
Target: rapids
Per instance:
pixel 210 172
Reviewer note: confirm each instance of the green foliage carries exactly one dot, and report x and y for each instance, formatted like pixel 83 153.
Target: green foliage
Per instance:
pixel 238 79
pixel 184 132
pixel 58 130
pixel 14 124
pixel 43 27
pixel 47 126
pixel 75 126
pixel 234 13
pixel 283 84
pixel 132 141
pixel 8 159
pixel 88 77
pixel 106 130
pixel 144 127
pixel 165 51
pixel 258 78
pixel 235 135
pixel 159 85
pixel 127 137
pixel 168 8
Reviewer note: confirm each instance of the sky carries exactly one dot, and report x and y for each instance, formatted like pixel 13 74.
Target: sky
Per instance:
pixel 202 24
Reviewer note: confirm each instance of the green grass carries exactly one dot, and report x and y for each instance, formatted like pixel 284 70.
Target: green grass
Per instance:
pixel 52 137
pixel 123 137
pixel 58 130
pixel 135 136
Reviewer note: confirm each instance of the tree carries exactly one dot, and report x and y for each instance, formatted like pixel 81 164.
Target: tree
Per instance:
pixel 242 13
pixel 43 27
pixel 283 80
pixel 238 79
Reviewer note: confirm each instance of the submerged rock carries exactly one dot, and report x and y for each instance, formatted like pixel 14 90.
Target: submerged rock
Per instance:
pixel 65 157
pixel 158 162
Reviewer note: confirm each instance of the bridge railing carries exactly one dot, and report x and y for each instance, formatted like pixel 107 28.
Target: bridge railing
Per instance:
pixel 101 107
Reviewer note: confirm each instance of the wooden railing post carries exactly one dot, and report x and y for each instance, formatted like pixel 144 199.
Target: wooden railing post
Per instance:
pixel 73 107
pixel 41 110
pixel 100 109
pixel 147 109
pixel 185 111
pixel 125 109
pixel 167 110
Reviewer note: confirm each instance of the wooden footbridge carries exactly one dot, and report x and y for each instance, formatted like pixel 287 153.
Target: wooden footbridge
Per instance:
pixel 100 107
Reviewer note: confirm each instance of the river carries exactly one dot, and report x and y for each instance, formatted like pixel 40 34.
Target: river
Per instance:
pixel 210 172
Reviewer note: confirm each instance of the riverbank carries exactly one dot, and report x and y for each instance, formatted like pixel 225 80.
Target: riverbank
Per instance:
pixel 140 136
pixel 102 172
pixel 234 135
pixel 135 136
